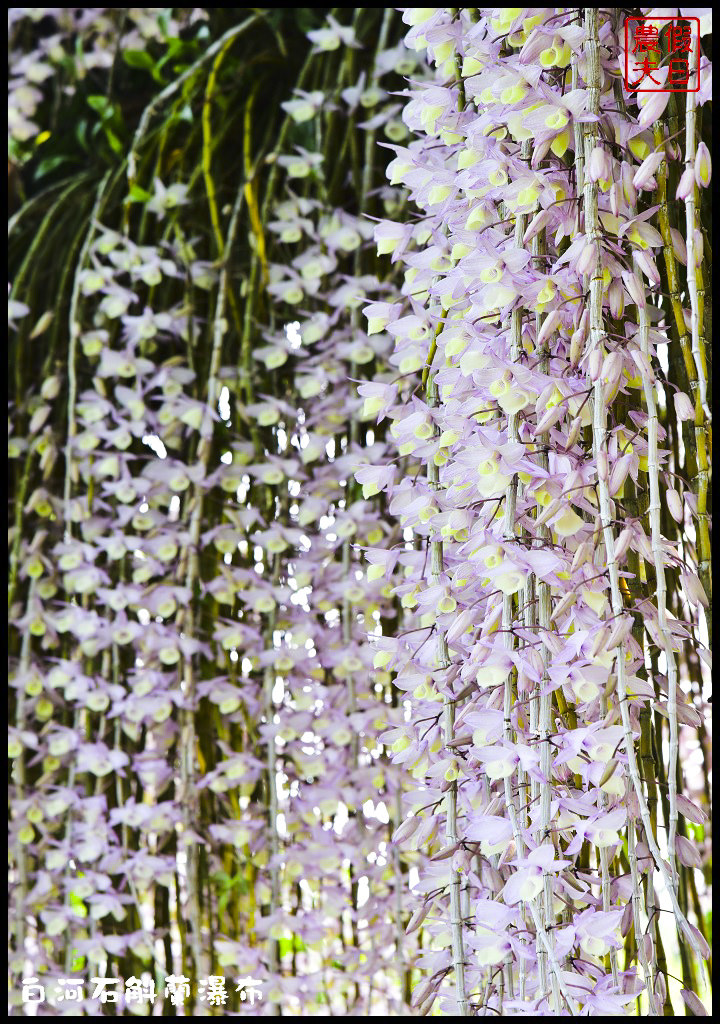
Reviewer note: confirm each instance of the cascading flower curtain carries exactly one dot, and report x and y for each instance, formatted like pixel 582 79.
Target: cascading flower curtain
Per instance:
pixel 360 586
pixel 549 409
pixel 198 786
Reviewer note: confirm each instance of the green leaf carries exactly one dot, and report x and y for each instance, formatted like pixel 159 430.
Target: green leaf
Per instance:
pixel 101 105
pixel 138 59
pixel 81 130
pixel 178 46
pixel 49 164
pixel 138 195
pixel 115 144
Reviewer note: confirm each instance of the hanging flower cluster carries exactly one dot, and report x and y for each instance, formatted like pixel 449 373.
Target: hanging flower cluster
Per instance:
pixel 549 491
pixel 339 798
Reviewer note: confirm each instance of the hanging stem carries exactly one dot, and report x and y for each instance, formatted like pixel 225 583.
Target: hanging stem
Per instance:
pixel 272 809
pixel 699 438
pixel 597 336
pixel 654 510
pixel 186 619
pixel 74 334
pixel 443 664
pixel 690 229
pixel 20 781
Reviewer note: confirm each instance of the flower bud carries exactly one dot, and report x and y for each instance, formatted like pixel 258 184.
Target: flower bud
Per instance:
pixel 611 368
pixel 548 327
pixel 616 298
pixel 620 631
pixel 699 944
pixel 600 165
pixel 660 988
pixel 549 418
pixel 674 504
pixel 627 183
pixel 687 853
pixel 653 107
pixel 634 288
pixel 594 364
pixel 623 543
pixel 643 364
pixel 574 432
pixel 405 829
pixel 587 259
pixel 699 246
pixel 694 589
pixel 582 555
pixel 679 248
pixel 686 184
pixel 703 166
pixel 413 924
pixel 536 225
pixel 567 602
pixel 683 407
pixel 627 919
pixel 647 265
pixel 643 177
pixel 619 474
pixel 615 198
